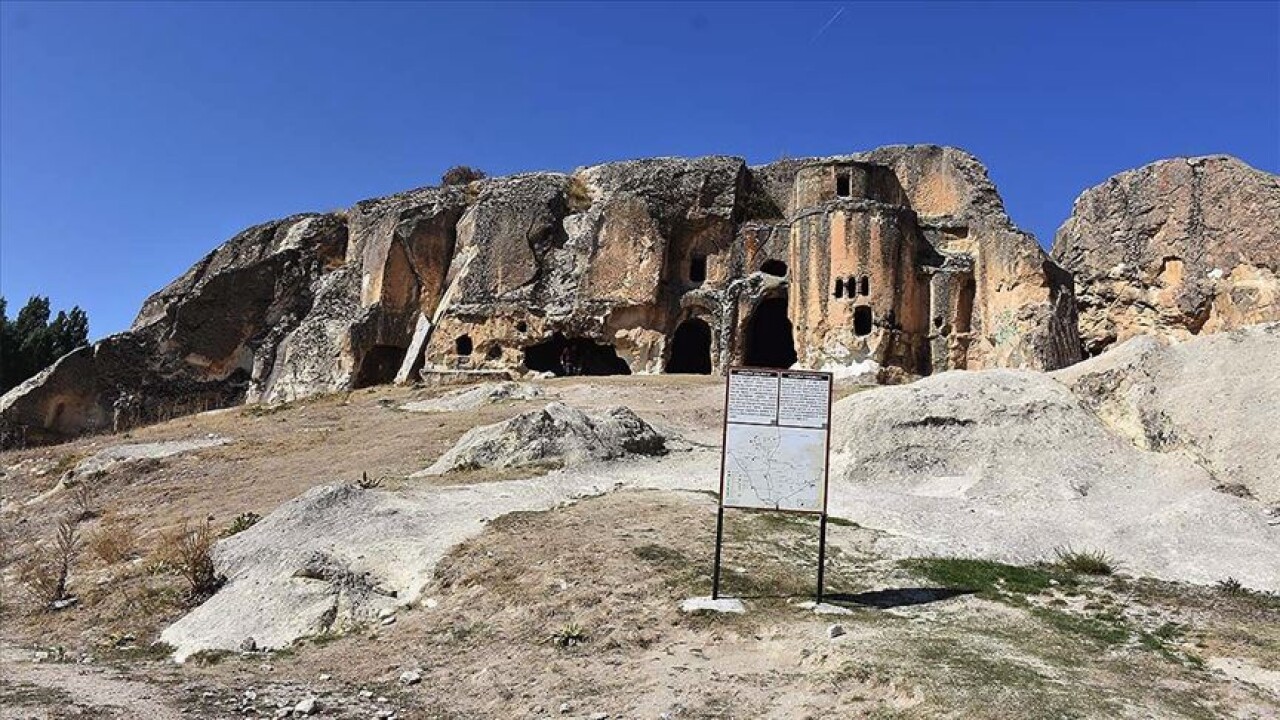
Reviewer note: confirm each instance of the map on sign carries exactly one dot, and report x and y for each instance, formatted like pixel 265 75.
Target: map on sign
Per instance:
pixel 776 431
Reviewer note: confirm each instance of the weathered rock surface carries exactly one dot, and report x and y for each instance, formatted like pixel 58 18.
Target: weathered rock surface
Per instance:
pixel 997 464
pixel 339 557
pixel 474 397
pixel 901 259
pixel 1213 400
pixel 1011 465
pixel 105 459
pixel 1176 248
pixel 207 340
pixel 557 435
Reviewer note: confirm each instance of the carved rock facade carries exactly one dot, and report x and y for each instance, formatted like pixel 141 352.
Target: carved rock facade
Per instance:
pixel 903 256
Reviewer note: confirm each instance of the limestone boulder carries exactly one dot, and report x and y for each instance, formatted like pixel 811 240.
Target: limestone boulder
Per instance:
pixel 1012 465
pixel 1211 399
pixel 554 436
pixel 1176 248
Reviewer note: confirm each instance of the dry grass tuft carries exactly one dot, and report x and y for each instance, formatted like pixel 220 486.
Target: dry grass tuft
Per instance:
pixel 115 539
pixel 579 195
pixel 1085 562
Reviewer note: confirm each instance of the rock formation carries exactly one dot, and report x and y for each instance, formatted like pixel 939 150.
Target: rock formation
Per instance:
pixel 1211 400
pixel 209 339
pixel 556 436
pixel 1009 465
pixel 1176 248
pixel 902 257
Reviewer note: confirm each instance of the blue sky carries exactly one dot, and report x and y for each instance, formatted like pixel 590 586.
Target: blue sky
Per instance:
pixel 135 138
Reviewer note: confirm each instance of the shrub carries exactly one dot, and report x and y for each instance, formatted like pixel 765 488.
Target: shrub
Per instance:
pixel 114 540
pixel 1230 586
pixel 569 635
pixel 46 573
pixel 367 483
pixel 82 493
pixel 242 522
pixel 1085 562
pixel 461 175
pixel 189 551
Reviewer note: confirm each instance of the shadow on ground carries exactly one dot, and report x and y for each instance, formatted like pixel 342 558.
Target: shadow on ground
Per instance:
pixel 894 597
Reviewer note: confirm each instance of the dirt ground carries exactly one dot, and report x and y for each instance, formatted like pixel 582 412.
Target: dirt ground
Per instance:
pixel 575 612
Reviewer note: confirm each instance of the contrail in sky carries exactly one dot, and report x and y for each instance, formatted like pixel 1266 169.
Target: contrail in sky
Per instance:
pixel 824 27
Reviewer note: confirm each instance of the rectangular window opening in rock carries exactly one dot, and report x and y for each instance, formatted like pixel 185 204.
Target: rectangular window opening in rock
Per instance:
pixel 698 269
pixel 862 320
pixel 844 184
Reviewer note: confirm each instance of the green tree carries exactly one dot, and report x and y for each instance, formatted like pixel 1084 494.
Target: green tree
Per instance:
pixel 31 342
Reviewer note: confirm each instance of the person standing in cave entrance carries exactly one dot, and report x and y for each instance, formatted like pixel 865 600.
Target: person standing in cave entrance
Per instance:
pixel 568 360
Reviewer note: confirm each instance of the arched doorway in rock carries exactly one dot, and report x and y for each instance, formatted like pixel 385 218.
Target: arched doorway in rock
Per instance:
pixel 691 348
pixel 769 342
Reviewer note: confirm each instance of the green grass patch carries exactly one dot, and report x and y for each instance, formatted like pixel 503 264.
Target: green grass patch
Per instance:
pixel 1107 630
pixel 987 578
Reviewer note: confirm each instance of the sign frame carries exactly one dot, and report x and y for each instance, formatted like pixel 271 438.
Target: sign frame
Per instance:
pixel 779 374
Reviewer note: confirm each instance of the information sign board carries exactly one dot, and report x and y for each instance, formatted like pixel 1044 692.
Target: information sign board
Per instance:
pixel 776 438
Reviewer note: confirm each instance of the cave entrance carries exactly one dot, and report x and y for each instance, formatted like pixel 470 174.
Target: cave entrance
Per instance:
pixel 379 365
pixel 691 348
pixel 574 356
pixel 776 268
pixel 769 342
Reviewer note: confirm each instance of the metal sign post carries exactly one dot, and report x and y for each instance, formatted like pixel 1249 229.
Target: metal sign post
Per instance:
pixel 774 450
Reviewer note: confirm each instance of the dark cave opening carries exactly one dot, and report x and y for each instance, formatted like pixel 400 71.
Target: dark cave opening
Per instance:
pixel 462 346
pixel 379 365
pixel 691 348
pixel 698 269
pixel 777 268
pixel 574 356
pixel 862 320
pixel 769 341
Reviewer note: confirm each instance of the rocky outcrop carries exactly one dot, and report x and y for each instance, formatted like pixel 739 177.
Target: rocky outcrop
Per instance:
pixel 209 339
pixel 470 398
pixel 902 258
pixel 555 436
pixel 1012 465
pixel 1211 399
pixel 1176 248
pixel 935 275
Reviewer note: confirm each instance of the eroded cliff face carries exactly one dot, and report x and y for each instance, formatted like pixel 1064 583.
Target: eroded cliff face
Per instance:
pixel 209 339
pixel 901 259
pixel 1177 248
